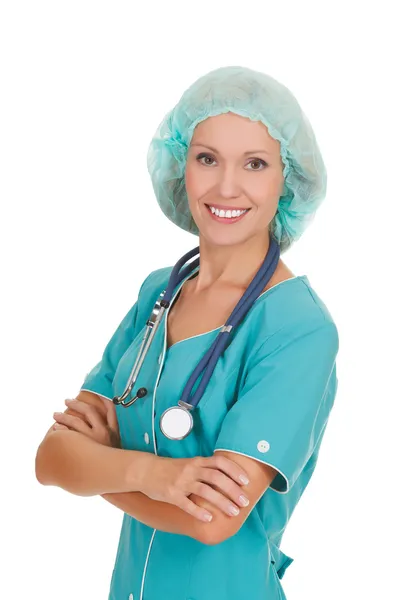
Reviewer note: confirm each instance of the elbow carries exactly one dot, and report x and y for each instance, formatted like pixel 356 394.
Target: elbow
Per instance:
pixel 51 468
pixel 46 457
pixel 212 534
pixel 40 466
pixel 44 467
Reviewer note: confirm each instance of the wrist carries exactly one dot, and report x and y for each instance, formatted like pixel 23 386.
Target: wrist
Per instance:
pixel 140 466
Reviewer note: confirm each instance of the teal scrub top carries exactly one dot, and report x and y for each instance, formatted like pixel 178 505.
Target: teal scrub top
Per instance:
pixel 269 398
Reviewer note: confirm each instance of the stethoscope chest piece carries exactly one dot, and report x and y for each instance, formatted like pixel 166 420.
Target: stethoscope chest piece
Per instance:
pixel 176 422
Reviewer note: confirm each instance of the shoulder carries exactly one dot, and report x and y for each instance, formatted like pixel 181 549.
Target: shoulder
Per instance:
pixel 291 310
pixel 155 282
pixel 292 301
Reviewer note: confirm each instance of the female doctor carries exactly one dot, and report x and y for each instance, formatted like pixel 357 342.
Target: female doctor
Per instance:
pixel 208 474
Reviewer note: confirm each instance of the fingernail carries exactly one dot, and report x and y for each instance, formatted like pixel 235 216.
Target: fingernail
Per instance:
pixel 67 401
pixel 243 479
pixel 56 414
pixel 243 500
pixel 207 517
pixel 234 510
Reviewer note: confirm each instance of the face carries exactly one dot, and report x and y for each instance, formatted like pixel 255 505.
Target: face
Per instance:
pixel 233 164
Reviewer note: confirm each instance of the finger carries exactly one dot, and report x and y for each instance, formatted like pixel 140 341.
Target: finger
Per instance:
pixel 74 413
pixel 196 511
pixel 232 469
pixel 59 426
pixel 225 484
pixel 111 415
pixel 89 411
pixel 72 422
pixel 216 498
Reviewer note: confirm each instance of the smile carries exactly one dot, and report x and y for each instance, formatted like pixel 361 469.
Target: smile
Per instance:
pixel 226 216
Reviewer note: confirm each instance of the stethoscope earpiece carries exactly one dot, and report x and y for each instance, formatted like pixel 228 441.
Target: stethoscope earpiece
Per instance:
pixel 121 399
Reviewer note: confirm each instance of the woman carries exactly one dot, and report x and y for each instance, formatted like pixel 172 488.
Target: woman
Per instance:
pixel 236 141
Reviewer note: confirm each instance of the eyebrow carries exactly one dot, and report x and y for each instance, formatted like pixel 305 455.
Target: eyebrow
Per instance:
pixel 248 152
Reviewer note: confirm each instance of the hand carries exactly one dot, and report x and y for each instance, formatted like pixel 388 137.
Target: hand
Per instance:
pixel 100 426
pixel 172 480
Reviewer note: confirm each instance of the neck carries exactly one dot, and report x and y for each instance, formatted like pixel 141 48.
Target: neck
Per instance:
pixel 231 265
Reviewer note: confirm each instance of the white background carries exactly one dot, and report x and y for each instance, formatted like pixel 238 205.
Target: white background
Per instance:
pixel 83 87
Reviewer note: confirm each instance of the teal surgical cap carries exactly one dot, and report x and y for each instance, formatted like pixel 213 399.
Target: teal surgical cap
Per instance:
pixel 258 97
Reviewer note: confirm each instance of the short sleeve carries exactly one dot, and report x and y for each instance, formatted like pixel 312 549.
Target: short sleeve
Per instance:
pixel 285 400
pixel 99 380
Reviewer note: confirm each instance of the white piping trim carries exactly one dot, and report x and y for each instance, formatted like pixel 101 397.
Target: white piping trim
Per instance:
pixel 154 397
pixel 145 564
pixel 153 430
pixel 86 390
pixel 163 358
pixel 264 463
pixel 219 327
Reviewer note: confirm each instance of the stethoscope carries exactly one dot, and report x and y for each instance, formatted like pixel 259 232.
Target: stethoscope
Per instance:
pixel 177 421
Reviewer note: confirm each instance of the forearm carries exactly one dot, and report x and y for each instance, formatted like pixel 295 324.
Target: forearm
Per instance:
pixel 159 515
pixel 79 465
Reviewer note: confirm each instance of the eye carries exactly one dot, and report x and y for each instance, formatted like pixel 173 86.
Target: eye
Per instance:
pixel 204 155
pixel 210 159
pixel 260 161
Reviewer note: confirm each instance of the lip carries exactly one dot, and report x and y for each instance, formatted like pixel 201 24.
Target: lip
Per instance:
pixel 223 220
pixel 225 207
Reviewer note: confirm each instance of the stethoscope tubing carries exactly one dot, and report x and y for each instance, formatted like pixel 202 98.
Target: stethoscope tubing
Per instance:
pixel 175 279
pixel 209 361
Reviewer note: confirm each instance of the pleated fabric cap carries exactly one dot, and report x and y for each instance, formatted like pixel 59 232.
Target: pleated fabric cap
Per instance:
pixel 259 97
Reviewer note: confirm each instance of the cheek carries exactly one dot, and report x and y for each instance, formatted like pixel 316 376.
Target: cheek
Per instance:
pixel 267 188
pixel 188 178
pixel 195 181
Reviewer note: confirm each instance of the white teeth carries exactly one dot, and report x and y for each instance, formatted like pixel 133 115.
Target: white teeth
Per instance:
pixel 229 214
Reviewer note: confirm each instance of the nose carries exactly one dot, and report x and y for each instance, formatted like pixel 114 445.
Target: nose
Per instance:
pixel 229 184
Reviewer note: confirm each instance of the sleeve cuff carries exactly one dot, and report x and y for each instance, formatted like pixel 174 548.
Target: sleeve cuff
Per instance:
pixel 98 386
pixel 279 484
